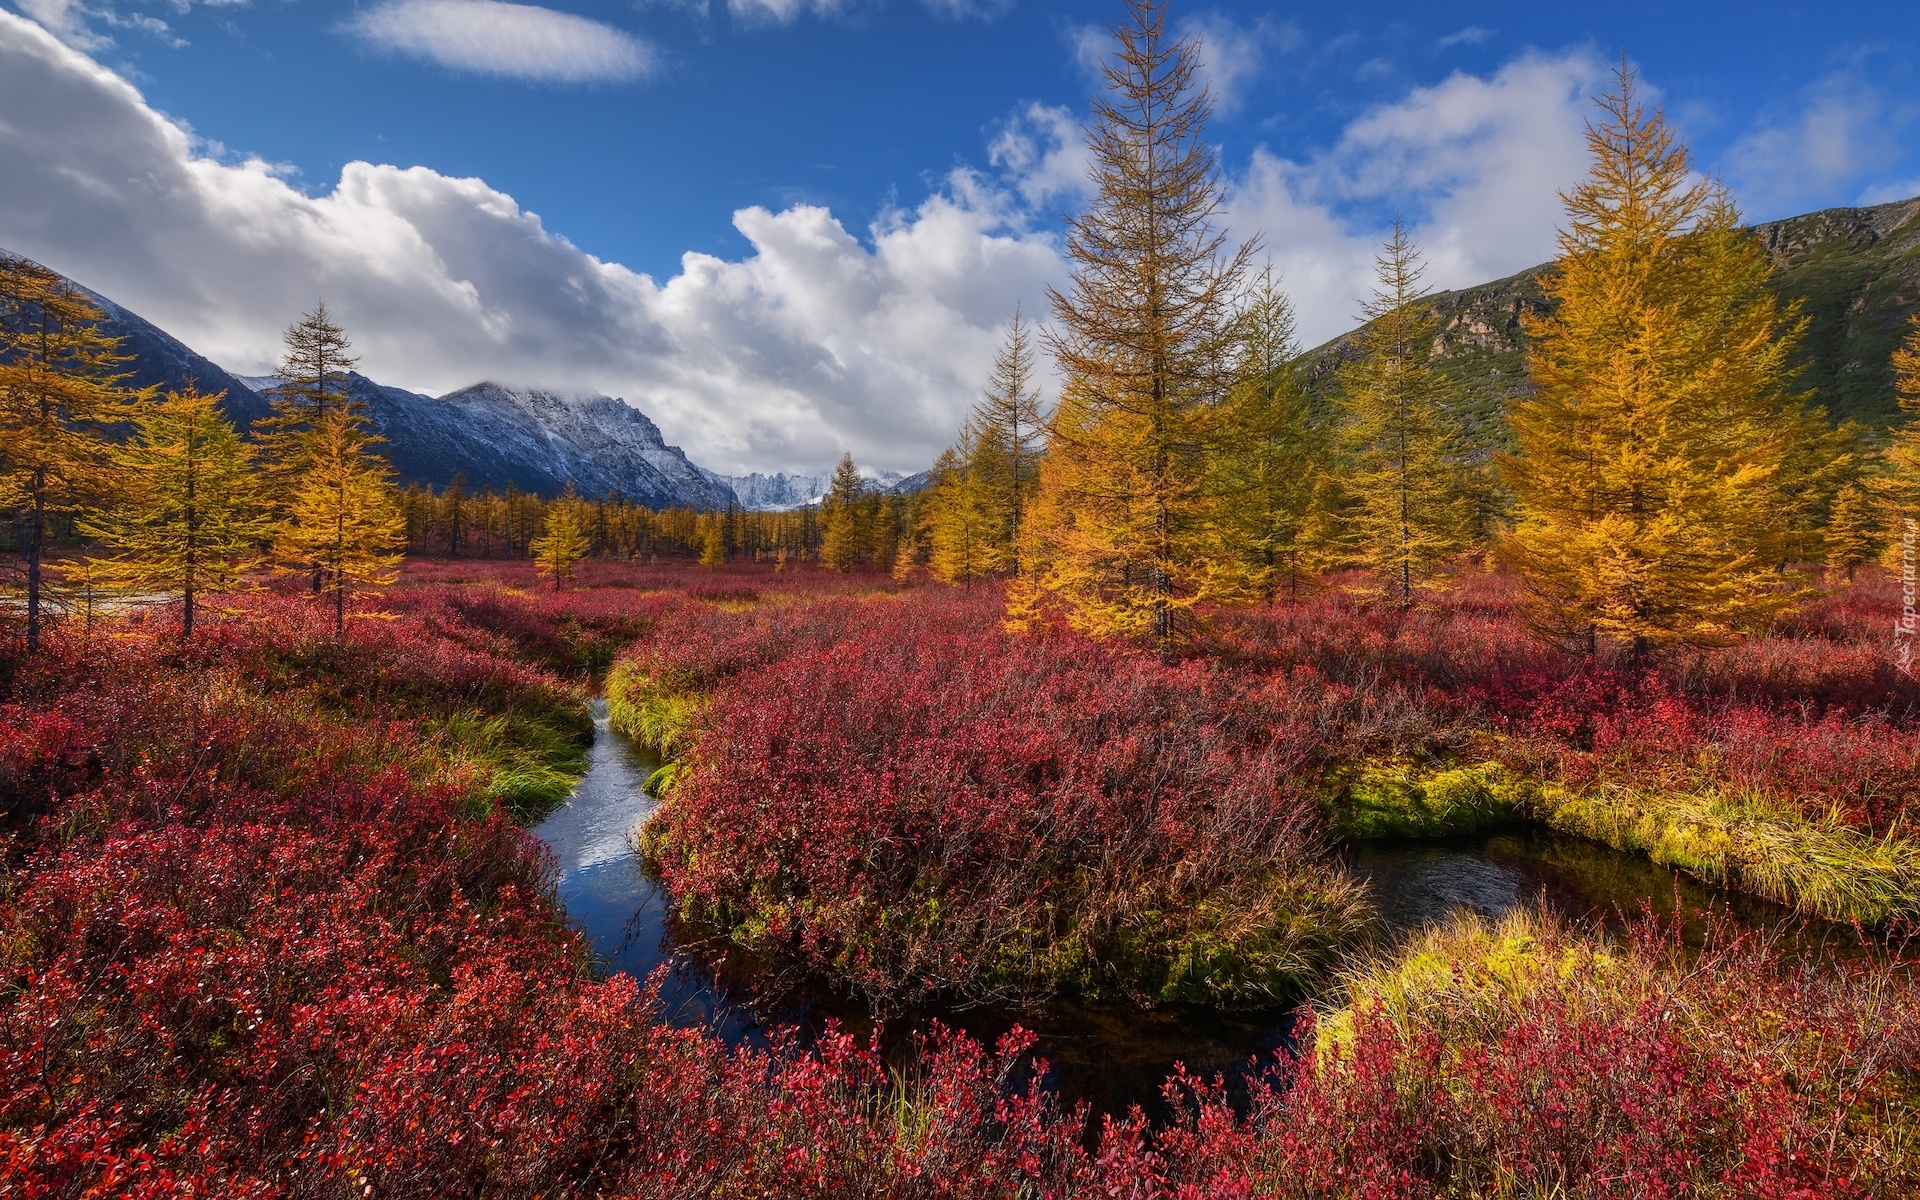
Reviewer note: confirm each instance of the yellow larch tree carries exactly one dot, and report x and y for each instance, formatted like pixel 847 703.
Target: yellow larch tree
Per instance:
pixel 60 386
pixel 1649 453
pixel 186 517
pixel 1899 489
pixel 313 381
pixel 564 542
pixel 344 522
pixel 843 529
pixel 1849 538
pixel 1409 509
pixel 1142 335
pixel 959 523
pixel 1274 521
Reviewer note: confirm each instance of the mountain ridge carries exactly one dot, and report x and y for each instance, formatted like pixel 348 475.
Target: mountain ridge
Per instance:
pixel 1855 272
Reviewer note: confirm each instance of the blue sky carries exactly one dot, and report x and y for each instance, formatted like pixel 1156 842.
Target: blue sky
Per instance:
pixel 870 104
pixel 919 154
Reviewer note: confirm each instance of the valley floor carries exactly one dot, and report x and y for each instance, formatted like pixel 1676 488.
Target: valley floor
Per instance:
pixel 274 925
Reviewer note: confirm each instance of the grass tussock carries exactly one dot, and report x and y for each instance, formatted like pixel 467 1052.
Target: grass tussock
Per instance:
pixel 1819 865
pixel 656 716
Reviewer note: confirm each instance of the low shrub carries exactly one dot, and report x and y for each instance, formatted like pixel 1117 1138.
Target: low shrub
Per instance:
pixel 911 800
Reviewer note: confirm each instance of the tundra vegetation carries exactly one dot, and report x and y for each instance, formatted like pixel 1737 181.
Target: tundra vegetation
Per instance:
pixel 1091 718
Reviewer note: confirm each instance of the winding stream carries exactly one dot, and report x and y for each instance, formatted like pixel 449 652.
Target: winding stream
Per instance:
pixel 1109 1055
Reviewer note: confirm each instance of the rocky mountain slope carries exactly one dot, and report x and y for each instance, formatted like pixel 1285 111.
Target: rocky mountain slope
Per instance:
pixel 1855 272
pixel 535 440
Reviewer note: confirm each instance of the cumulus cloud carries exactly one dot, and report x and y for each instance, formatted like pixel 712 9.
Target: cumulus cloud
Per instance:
pixel 816 341
pixel 1474 164
pixel 1043 153
pixel 493 37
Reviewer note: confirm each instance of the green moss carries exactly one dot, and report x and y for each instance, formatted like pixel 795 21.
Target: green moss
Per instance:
pixel 1376 801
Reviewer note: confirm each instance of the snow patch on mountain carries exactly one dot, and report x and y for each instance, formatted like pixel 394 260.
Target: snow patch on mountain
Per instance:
pixel 782 491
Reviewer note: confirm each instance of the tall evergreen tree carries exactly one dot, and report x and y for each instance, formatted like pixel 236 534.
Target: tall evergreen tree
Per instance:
pixel 1142 335
pixel 1650 450
pixel 843 534
pixel 60 385
pixel 454 518
pixel 186 517
pixel 1003 452
pixel 1270 466
pixel 345 524
pixel 313 383
pixel 1410 512
pixel 1849 536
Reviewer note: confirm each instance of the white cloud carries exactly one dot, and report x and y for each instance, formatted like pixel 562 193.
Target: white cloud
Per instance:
pixel 813 342
pixel 1472 35
pixel 784 12
pixel 960 10
pixel 1841 131
pixel 1233 55
pixel 78 23
pixel 493 37
pixel 1475 165
pixel 1887 193
pixel 1044 153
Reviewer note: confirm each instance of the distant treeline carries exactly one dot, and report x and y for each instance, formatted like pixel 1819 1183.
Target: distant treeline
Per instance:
pixel 852 523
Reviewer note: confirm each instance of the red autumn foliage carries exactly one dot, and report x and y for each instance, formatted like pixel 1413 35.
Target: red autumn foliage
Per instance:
pixel 919 802
pixel 244 952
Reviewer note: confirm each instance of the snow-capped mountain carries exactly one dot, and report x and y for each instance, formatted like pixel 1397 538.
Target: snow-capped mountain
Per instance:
pixel 773 493
pixel 490 434
pixel 536 440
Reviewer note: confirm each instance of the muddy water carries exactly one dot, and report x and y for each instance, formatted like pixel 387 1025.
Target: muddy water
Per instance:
pixel 1108 1055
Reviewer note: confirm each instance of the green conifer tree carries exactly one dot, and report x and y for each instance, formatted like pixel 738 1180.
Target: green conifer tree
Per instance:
pixel 1003 446
pixel 1409 509
pixel 1274 523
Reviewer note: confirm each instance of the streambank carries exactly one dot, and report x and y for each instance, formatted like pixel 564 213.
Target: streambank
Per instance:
pixel 1113 1055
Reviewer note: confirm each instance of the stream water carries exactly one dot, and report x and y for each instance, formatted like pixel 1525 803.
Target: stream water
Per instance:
pixel 1110 1055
